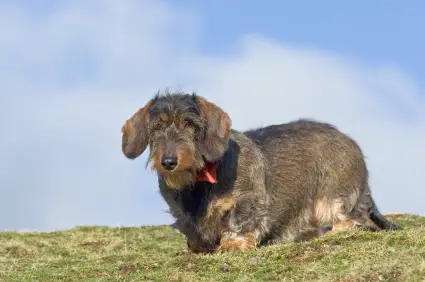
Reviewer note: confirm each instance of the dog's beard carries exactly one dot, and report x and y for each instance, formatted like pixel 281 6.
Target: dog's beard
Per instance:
pixel 179 179
pixel 176 179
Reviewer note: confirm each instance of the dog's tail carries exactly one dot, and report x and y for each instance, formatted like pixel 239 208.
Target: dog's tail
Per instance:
pixel 379 219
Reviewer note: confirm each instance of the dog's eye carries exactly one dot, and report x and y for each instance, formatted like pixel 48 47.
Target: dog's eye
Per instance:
pixel 157 126
pixel 187 124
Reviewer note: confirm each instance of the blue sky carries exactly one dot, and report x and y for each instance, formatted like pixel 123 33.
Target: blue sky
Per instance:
pixel 73 72
pixel 370 31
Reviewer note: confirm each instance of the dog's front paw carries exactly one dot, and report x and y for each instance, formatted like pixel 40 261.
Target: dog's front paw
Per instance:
pixel 238 243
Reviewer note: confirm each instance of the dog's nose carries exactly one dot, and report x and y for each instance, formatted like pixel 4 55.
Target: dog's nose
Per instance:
pixel 169 163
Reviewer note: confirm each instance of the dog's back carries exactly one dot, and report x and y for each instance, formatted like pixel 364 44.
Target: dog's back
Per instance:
pixel 308 145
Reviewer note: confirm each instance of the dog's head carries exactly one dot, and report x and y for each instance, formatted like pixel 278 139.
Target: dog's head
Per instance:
pixel 182 131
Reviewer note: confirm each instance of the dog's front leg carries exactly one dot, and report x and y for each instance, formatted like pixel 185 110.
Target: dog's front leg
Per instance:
pixel 195 243
pixel 197 246
pixel 235 242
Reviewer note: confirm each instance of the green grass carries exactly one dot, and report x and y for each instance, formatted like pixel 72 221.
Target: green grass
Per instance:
pixel 151 254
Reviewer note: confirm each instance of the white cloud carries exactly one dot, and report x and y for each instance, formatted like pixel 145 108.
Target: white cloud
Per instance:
pixel 61 159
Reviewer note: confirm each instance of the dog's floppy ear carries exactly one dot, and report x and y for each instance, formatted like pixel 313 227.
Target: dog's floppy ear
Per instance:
pixel 135 136
pixel 217 131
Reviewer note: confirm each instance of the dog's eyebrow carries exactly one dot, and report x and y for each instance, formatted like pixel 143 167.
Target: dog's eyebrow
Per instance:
pixel 190 111
pixel 160 116
pixel 156 110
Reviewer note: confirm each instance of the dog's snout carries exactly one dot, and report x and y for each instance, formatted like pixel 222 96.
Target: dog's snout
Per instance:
pixel 169 163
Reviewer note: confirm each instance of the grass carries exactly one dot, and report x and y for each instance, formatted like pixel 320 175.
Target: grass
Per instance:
pixel 92 253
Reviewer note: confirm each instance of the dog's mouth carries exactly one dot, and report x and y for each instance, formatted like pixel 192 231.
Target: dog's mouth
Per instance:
pixel 180 176
pixel 177 179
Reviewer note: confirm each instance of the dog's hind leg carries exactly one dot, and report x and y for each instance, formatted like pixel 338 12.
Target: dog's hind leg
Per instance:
pixel 343 214
pixel 350 224
pixel 367 216
pixel 363 215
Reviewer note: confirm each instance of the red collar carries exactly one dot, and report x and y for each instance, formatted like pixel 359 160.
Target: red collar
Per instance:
pixel 208 173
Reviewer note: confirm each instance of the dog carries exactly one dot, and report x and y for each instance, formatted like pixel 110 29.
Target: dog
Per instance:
pixel 231 190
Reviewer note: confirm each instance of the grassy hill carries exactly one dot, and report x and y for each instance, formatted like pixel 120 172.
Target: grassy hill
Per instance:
pixel 93 253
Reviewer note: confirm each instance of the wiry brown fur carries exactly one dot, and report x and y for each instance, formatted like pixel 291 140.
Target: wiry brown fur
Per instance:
pixel 284 182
